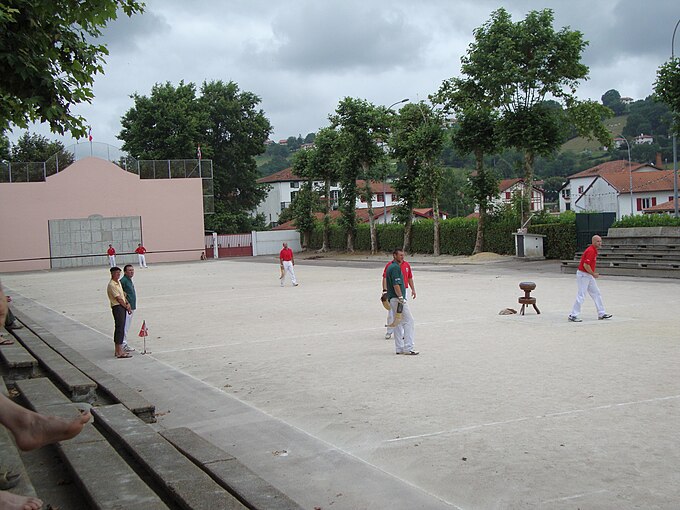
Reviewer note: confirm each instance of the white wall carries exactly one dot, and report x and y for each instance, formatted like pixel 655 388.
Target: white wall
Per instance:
pixel 270 242
pixel 600 197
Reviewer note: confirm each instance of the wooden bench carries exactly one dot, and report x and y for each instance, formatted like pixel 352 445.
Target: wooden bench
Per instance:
pixel 103 475
pixel 190 486
pixel 257 493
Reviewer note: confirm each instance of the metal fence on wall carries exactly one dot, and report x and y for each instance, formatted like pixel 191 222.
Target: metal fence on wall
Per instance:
pixel 13 171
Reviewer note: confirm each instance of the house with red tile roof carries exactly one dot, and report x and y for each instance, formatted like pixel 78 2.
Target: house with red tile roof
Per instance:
pixel 602 196
pixel 284 185
pixel 362 216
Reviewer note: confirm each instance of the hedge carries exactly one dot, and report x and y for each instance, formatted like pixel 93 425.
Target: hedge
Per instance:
pixel 457 237
pixel 647 220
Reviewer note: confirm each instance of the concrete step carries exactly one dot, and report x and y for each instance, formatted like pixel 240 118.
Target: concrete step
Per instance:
pixel 627 269
pixel 190 486
pixel 18 362
pixel 72 381
pixel 229 472
pixel 111 386
pixel 105 478
pixel 11 458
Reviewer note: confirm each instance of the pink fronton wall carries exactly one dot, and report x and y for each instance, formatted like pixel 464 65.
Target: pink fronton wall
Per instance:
pixel 171 212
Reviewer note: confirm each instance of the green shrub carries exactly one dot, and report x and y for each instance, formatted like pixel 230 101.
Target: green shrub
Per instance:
pixel 390 236
pixel 559 241
pixel 337 238
pixel 647 220
pixel 362 240
pixel 316 238
pixel 498 236
pixel 422 236
pixel 457 236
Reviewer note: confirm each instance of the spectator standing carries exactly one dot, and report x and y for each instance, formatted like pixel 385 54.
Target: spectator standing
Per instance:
pixel 119 308
pixel 131 296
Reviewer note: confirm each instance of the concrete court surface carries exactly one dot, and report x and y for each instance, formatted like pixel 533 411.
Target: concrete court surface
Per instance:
pixel 496 412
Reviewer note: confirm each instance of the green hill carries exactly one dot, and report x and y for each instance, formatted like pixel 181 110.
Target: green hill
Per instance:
pixel 579 144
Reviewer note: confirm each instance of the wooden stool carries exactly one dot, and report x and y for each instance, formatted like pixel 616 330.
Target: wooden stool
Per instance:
pixel 525 300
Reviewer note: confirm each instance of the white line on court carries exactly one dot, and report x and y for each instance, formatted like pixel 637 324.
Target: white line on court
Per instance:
pixel 575 496
pixel 539 417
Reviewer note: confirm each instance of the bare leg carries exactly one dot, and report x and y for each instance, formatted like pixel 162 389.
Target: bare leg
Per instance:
pixel 32 430
pixel 9 501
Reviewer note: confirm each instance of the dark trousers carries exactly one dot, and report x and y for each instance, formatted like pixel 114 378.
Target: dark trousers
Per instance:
pixel 119 320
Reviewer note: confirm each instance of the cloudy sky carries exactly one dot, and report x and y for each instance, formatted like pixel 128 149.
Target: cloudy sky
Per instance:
pixel 301 56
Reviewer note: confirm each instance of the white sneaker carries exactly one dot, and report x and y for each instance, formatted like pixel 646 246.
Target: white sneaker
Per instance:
pixel 388 336
pixel 127 348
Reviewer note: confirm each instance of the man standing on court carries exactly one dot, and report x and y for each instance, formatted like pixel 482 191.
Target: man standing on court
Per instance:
pixel 404 331
pixel 140 251
pixel 120 308
pixel 111 252
pixel 131 296
pixel 408 282
pixel 287 264
pixel 585 279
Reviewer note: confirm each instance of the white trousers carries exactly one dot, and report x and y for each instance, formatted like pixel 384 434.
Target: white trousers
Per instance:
pixel 112 260
pixel 586 283
pixel 142 260
pixel 390 316
pixel 404 332
pixel 128 321
pixel 289 269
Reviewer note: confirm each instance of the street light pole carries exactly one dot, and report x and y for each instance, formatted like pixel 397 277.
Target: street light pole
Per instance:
pixel 675 147
pixel 385 178
pixel 630 174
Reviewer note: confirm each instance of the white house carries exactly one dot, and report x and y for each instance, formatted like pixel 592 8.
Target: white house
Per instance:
pixel 509 187
pixel 602 196
pixel 643 139
pixel 284 185
pixel 607 188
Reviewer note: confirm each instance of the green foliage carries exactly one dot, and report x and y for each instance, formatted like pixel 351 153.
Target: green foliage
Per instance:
pixel 224 221
pixel 422 236
pixel 49 58
pixel 612 100
pixel 37 148
pixel 454 197
pixel 390 236
pixel 647 220
pixel 667 88
pixel 458 236
pixel 363 238
pixel 498 236
pixel 652 115
pixel 560 240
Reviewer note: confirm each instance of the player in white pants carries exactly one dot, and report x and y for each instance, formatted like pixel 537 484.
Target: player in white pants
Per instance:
pixel 585 280
pixel 287 264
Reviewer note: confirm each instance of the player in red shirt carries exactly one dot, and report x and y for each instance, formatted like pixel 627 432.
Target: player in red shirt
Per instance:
pixel 287 261
pixel 585 279
pixel 111 252
pixel 140 251
pixel 407 273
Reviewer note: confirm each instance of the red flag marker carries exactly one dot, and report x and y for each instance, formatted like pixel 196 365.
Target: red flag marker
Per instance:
pixel 144 332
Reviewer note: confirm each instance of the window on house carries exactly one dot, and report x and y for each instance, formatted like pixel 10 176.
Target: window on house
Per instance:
pixel 363 199
pixel 294 185
pixel 671 198
pixel 380 197
pixel 643 203
pixel 508 195
pixel 292 195
pixel 566 193
pixel 580 189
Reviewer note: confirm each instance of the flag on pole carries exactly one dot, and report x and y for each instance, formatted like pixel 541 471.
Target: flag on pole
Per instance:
pixel 89 134
pixel 198 152
pixel 144 331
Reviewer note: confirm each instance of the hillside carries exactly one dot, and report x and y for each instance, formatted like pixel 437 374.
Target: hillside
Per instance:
pixel 579 144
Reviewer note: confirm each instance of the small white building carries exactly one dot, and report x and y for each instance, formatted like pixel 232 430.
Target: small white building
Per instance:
pixel 507 188
pixel 643 139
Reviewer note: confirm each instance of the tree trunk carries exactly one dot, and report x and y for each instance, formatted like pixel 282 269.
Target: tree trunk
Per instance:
pixel 479 241
pixel 368 195
pixel 528 182
pixel 325 246
pixel 436 249
pixel 407 230
pixel 305 240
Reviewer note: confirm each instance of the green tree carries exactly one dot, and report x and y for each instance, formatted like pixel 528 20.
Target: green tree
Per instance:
pixel 49 58
pixel 37 148
pixel 667 88
pixel 454 197
pixel 612 100
pixel 323 162
pixel 306 201
pixel 518 66
pixel 360 126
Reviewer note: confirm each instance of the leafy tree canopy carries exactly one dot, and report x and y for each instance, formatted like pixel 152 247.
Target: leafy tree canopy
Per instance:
pixel 667 87
pixel 37 148
pixel 49 57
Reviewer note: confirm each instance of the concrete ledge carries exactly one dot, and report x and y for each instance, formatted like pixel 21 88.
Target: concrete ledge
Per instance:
pixel 107 480
pixel 75 384
pixel 644 232
pixel 19 362
pixel 249 487
pixel 111 386
pixel 186 482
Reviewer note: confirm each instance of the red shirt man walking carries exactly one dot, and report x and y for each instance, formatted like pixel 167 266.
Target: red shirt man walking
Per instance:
pixel 585 279
pixel 287 261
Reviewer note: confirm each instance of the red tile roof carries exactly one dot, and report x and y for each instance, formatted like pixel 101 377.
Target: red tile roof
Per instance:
pixel 506 184
pixel 376 187
pixel 660 180
pixel 610 167
pixel 281 176
pixel 661 208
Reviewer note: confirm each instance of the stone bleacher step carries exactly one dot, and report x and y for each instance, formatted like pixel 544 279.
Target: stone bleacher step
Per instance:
pixel 20 364
pixel 104 477
pixel 74 383
pixel 190 486
pixel 108 384
pixel 11 458
pixel 229 471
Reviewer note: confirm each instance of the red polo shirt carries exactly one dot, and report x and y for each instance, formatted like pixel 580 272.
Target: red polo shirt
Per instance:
pixel 111 251
pixel 286 254
pixel 405 271
pixel 141 250
pixel 589 257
